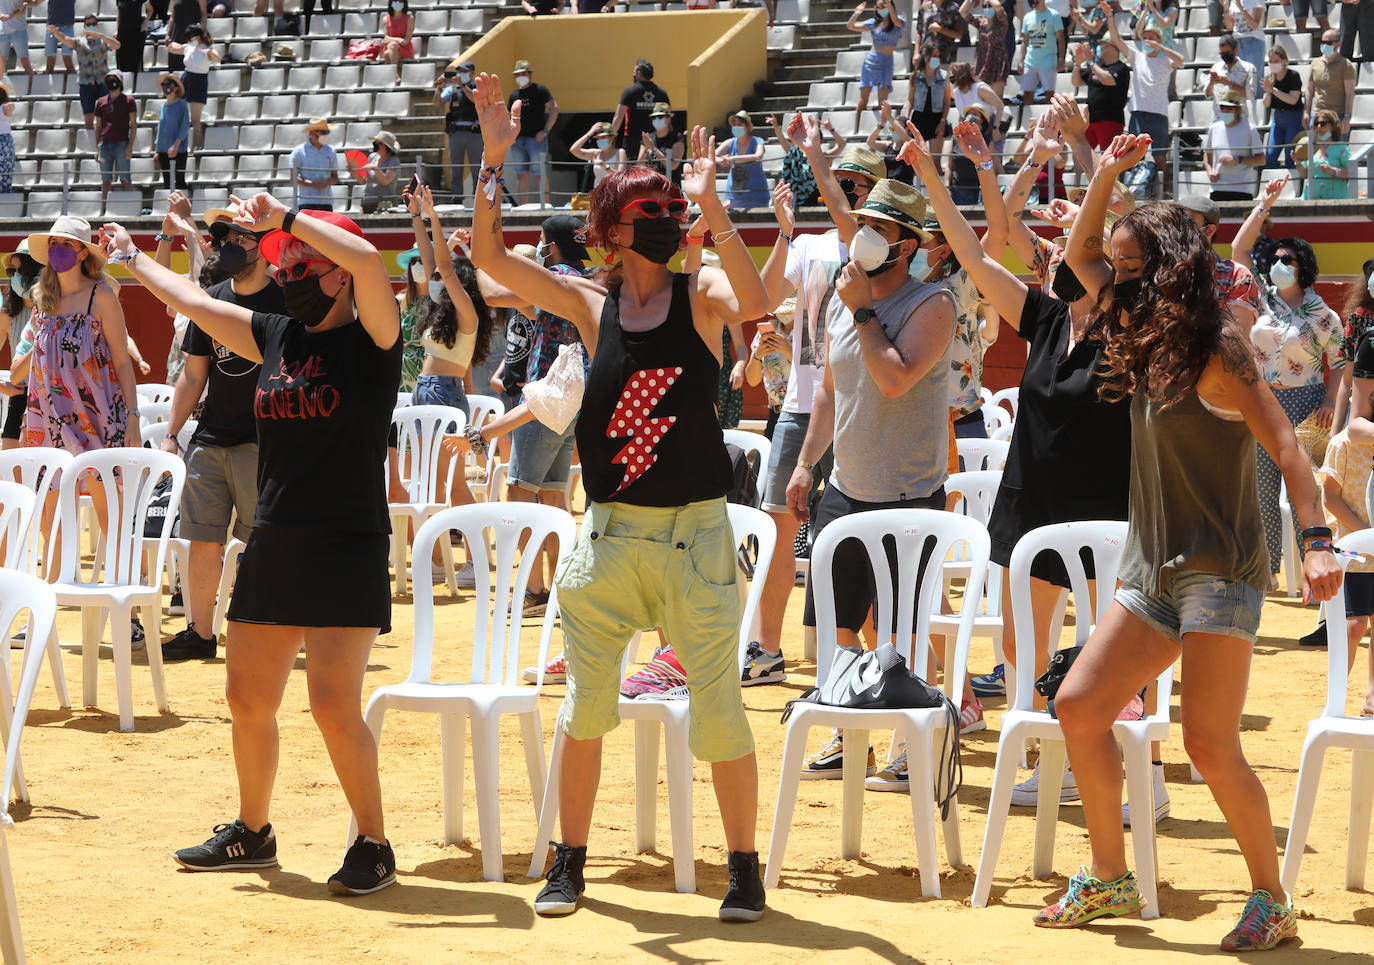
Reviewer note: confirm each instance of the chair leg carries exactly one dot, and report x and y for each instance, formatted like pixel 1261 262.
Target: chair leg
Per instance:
pixel 532 737
pixel 793 752
pixel 121 644
pixel 486 774
pixel 398 552
pixel 646 784
pixel 228 574
pixel 999 806
pixel 91 619
pixel 7 713
pixel 855 770
pixel 1304 803
pixel 452 732
pixel 921 775
pixel 1361 798
pixel 153 636
pixel 59 676
pixel 954 844
pixel 1140 795
pixel 11 940
pixel 679 766
pixel 549 812
pixel 1052 758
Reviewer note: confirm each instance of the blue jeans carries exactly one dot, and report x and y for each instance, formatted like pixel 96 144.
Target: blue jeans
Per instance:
pixel 17 41
pixel 540 458
pixel 1286 126
pixel 526 156
pixel 440 390
pixel 112 160
pixel 1251 50
pixel 1155 125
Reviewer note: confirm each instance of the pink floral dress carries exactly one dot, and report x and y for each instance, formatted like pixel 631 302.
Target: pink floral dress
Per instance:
pixel 75 402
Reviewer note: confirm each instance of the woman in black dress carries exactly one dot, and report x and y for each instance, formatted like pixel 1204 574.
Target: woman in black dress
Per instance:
pixel 130 32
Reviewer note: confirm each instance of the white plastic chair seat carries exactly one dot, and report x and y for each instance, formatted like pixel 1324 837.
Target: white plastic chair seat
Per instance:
pixel 420 429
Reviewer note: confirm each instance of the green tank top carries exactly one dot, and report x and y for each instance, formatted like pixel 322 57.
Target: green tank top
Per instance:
pixel 1194 503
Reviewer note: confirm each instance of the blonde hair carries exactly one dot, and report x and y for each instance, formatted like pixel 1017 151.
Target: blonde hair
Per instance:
pixel 47 294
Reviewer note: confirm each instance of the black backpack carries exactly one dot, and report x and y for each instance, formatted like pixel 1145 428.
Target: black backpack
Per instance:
pixel 287 25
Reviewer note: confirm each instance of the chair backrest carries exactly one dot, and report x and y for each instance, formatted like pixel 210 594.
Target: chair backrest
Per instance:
pixel 19 592
pixel 496 636
pixel 419 430
pixel 1104 540
pixel 756 448
pixel 484 407
pixel 914 534
pixel 154 411
pixel 154 392
pixel 16 518
pixel 977 454
pixel 38 469
pixel 1008 399
pixel 128 477
pixel 746 521
pixel 977 490
pixel 1337 640
pixel 994 418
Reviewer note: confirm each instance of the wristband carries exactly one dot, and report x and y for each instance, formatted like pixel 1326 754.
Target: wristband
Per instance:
pixel 808 466
pixel 160 237
pixel 1320 544
pixel 986 165
pixel 125 259
pixel 785 237
pixel 725 235
pixel 1316 532
pixel 288 219
pixel 696 239
pixel 134 413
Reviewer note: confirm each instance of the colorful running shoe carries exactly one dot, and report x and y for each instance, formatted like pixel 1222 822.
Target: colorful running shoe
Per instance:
pixel 1089 898
pixel 971 716
pixel 555 671
pixel 658 676
pixel 992 684
pixel 761 667
pixel 1263 924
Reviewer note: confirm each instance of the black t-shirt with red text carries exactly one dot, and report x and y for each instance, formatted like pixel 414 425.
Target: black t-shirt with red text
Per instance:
pixel 323 408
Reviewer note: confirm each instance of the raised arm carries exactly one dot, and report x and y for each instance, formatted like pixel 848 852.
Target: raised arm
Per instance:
pixel 970 141
pixel 775 268
pixel 1045 144
pixel 462 302
pixel 734 291
pixel 806 134
pixel 1084 253
pixel 853 22
pixel 1073 127
pixel 1254 224
pixel 579 147
pixel 417 227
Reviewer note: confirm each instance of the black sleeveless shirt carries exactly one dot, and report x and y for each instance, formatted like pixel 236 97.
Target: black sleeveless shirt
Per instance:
pixel 647 432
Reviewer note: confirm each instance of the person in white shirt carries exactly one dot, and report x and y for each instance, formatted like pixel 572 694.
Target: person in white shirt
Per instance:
pixel 1232 146
pixel 1244 20
pixel 1152 64
pixel 1230 73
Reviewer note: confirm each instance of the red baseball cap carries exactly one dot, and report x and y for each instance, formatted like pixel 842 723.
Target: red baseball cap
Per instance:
pixel 271 244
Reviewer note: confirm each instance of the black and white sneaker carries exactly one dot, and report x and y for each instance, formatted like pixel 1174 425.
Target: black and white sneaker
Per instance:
pixel 177 606
pixel 761 667
pixel 367 867
pixel 744 899
pixel 189 645
pixel 233 848
pixel 563 885
pixel 136 634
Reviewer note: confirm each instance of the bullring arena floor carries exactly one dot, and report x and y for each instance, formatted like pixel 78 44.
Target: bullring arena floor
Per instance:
pixel 95 879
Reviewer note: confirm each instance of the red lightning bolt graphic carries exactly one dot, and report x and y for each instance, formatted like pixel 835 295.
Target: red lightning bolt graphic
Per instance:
pixel 644 390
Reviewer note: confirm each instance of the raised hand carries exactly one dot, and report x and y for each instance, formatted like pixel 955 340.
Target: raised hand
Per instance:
pixel 411 200
pixel 1272 190
pixel 1058 212
pixel 699 174
pixel 783 207
pixel 499 126
pixel 1124 153
pixel 916 152
pixel 114 239
pixel 970 141
pixel 1045 140
pixel 804 132
pixel 853 287
pixel 426 201
pixel 1068 116
pixel 262 212
pixel 459 237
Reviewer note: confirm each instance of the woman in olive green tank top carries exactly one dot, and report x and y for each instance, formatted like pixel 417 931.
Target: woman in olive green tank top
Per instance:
pixel 1195 567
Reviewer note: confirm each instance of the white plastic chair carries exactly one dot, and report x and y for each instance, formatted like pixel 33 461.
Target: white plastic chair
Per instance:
pixel 1105 540
pixel 914 531
pixel 19 591
pixel 481 410
pixel 493 686
pixel 123 586
pixel 977 491
pixel 1292 559
pixel 154 412
pixel 1334 729
pixel 1008 400
pixel 178 561
pixel 754 444
pixel 979 454
pixel 153 392
pixel 675 717
pixel 420 429
pixel 995 418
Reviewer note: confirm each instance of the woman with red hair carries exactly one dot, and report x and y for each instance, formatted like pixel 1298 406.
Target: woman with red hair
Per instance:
pixel 655 548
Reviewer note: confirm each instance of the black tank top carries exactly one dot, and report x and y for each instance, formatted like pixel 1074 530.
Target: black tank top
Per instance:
pixel 648 433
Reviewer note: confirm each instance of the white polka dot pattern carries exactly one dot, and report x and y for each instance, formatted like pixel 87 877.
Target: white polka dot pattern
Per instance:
pixel 643 392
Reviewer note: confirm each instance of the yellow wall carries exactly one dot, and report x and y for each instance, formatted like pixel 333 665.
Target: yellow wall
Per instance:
pixel 707 61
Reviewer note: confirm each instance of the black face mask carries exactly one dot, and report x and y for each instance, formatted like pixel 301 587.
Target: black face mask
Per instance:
pixel 1126 294
pixel 232 259
pixel 306 302
pixel 1067 288
pixel 112 87
pixel 657 239
pixel 1228 59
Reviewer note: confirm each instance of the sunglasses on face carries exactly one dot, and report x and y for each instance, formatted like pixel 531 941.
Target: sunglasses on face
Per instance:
pixel 676 208
pixel 1323 124
pixel 300 269
pixel 231 238
pixel 850 185
pixel 1287 259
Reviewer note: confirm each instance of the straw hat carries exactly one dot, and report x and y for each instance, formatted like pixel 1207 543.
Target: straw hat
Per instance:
pixel 165 77
pixel 225 217
pixel 320 124
pixel 1233 98
pixel 662 110
pixel 389 139
pixel 899 203
pixel 861 160
pixel 987 116
pixel 603 128
pixel 526 251
pixel 272 243
pixel 70 228
pixel 522 67
pixel 742 116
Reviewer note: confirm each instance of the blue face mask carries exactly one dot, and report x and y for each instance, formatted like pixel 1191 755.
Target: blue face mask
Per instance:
pixel 934 63
pixel 660 124
pixel 20 286
pixel 920 265
pixel 603 142
pixel 1283 276
pixel 1328 50
pixel 436 288
pixel 738 130
pixel 1097 51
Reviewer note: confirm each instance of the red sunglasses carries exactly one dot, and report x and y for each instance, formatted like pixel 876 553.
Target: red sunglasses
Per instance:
pixel 297 271
pixel 676 208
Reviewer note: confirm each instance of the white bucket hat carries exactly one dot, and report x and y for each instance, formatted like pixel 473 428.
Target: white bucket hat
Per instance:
pixel 70 228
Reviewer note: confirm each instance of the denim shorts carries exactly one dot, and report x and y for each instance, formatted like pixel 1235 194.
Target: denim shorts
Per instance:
pixel 1198 602
pixel 51 44
pixel 788 435
pixel 441 390
pixel 17 41
pixel 526 152
pixel 112 160
pixel 541 459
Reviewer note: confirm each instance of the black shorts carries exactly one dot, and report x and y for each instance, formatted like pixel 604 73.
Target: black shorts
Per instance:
pixel 14 416
pixel 1018 511
pixel 1359 595
pixel 197 87
pixel 314 576
pixel 855 591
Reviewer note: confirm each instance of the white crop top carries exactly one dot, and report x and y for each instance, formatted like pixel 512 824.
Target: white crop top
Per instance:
pixel 459 354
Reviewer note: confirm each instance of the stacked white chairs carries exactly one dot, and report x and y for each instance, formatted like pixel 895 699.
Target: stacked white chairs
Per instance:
pixel 1333 729
pixel 756 447
pixel 153 392
pixel 673 714
pixel 128 476
pixel 19 592
pixel 1105 541
pixel 492 687
pixel 1008 400
pixel 154 412
pixel 995 420
pixel 481 410
pixel 977 490
pixel 16 517
pixel 914 532
pixel 979 454
pixel 420 430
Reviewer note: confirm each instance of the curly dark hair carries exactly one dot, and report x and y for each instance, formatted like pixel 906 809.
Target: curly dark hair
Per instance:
pixel 1307 260
pixel 28 269
pixel 1177 324
pixel 1358 298
pixel 440 319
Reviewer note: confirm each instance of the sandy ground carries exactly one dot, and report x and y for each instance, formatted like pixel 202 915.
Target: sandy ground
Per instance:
pixel 95 879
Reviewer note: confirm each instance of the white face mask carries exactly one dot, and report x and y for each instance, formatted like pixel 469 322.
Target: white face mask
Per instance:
pixel 464 76
pixel 417 272
pixel 603 142
pixel 660 124
pixel 1369 286
pixel 868 249
pixel 522 80
pixel 1283 276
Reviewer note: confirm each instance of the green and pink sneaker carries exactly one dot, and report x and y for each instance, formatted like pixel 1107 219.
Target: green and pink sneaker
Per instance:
pixel 1089 898
pixel 1263 924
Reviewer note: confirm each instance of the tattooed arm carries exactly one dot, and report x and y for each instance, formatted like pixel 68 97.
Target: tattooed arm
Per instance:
pixel 1231 381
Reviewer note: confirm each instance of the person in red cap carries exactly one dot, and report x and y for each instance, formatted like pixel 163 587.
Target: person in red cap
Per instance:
pixel 314 572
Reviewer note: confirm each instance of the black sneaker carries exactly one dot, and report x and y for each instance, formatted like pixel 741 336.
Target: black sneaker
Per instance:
pixel 233 848
pixel 189 645
pixel 1317 638
pixel 366 868
pixel 744 900
pixel 564 884
pixel 136 635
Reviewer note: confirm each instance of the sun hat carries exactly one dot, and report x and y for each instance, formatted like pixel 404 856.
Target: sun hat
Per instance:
pixel 526 251
pixel 980 109
pixel 69 227
pixel 221 221
pixel 522 67
pixel 272 243
pixel 466 65
pixel 662 110
pixel 164 77
pixel 319 124
pixel 899 203
pixel 389 139
pixel 1233 98
pixel 117 76
pixel 861 160
pixel 742 116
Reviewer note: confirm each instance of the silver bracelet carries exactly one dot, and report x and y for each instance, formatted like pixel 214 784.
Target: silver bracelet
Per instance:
pixel 724 236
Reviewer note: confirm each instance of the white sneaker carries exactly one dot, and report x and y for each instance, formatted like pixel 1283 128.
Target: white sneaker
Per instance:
pixel 555 671
pixel 1027 793
pixel 1161 797
pixel 466 576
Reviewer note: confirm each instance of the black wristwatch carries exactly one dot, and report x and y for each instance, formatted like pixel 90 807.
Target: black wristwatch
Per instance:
pixel 864 315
